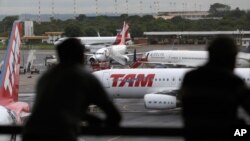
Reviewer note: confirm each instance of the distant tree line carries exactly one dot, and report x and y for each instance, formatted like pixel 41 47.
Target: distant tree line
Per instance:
pixel 82 25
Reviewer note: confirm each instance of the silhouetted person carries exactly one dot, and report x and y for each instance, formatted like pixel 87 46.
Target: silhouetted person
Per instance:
pixel 63 95
pixel 212 94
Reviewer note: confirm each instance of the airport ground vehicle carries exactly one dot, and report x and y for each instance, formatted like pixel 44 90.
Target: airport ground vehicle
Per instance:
pixel 34 69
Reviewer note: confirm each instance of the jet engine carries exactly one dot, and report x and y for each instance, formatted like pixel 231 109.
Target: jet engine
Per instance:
pixel 92 59
pixel 159 101
pixel 126 58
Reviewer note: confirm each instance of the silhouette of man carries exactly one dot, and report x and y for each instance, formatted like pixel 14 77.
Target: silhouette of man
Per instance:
pixel 63 95
pixel 212 94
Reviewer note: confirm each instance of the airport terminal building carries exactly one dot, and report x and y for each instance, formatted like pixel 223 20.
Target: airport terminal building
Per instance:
pixel 196 37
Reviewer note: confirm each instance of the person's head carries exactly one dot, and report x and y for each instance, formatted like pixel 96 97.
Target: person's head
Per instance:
pixel 222 52
pixel 70 52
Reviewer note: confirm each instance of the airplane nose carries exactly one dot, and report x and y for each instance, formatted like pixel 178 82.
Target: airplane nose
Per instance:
pixel 57 43
pixel 100 57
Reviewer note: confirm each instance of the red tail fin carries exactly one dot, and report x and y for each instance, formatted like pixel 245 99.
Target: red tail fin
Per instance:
pixel 126 34
pixel 9 79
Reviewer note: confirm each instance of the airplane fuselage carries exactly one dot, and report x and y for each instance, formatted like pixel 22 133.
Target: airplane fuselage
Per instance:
pixel 92 41
pixel 135 83
pixel 98 40
pixel 189 58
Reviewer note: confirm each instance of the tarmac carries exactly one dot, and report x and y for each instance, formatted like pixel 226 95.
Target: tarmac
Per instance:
pixel 133 111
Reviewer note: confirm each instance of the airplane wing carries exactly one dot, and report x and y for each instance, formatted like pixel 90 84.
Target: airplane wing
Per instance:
pixel 88 54
pixel 243 56
pixel 172 92
pixel 118 58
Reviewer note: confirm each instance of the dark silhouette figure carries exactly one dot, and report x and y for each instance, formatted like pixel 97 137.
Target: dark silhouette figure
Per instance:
pixel 63 95
pixel 212 93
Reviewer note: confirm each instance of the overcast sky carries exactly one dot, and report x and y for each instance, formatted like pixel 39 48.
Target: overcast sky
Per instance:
pixel 10 7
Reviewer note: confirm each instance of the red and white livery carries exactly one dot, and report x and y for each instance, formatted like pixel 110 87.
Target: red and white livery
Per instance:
pixel 158 86
pixel 10 109
pixel 94 43
pixel 113 52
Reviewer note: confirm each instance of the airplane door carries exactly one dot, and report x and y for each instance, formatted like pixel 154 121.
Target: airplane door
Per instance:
pixel 105 79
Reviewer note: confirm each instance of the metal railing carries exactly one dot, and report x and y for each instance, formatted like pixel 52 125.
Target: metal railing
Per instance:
pixel 101 131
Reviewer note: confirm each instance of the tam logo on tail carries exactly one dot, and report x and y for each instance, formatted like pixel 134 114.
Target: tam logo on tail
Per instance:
pixel 9 79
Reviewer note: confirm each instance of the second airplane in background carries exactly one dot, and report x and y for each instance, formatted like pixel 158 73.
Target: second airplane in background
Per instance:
pixel 94 43
pixel 187 58
pixel 113 52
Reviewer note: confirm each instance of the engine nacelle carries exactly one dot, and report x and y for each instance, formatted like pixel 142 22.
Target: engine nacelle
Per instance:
pixel 126 58
pixel 160 101
pixel 92 59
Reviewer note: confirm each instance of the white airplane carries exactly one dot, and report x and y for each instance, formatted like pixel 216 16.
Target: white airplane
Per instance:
pixel 115 52
pixel 158 87
pixel 11 111
pixel 186 58
pixel 94 43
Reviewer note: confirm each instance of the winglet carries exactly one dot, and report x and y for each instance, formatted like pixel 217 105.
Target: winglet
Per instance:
pixel 9 78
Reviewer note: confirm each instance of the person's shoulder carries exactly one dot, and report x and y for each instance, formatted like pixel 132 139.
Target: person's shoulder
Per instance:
pixel 84 73
pixel 194 72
